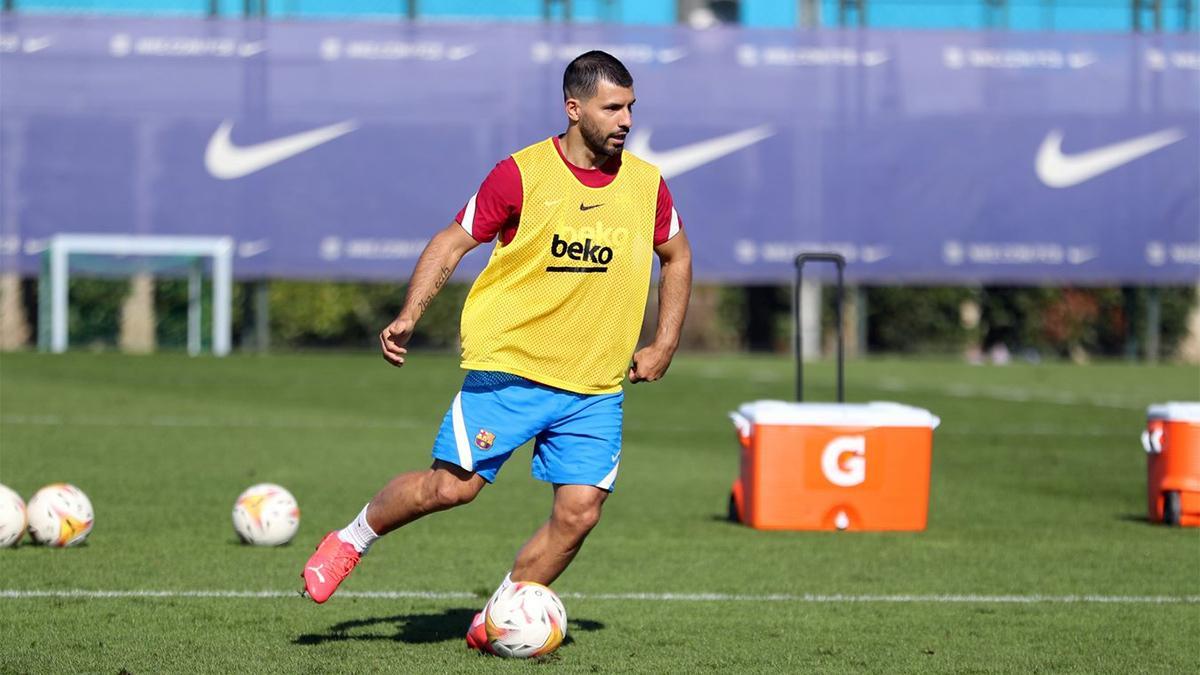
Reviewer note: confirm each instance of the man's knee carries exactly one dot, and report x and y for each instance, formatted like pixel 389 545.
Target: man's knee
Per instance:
pixel 450 488
pixel 578 516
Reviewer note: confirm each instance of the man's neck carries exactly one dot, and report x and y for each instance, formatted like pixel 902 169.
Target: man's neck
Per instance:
pixel 577 151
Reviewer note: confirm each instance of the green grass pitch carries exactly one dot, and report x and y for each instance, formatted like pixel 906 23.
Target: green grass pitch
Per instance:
pixel 1038 493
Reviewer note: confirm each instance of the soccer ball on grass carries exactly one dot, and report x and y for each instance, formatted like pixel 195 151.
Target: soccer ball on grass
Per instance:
pixel 525 620
pixel 60 515
pixel 266 515
pixel 12 517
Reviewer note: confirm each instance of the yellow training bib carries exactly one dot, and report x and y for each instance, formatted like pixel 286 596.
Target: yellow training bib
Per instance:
pixel 562 304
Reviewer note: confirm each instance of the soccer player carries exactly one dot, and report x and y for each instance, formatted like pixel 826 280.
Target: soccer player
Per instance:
pixel 548 330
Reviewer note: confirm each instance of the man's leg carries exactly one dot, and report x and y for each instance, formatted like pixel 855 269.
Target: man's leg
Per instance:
pixel 404 499
pixel 411 495
pixel 548 552
pixel 544 557
pixel 493 415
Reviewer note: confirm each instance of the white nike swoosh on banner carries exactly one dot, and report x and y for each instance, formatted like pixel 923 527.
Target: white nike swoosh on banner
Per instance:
pixel 249 249
pixel 1057 170
pixel 680 160
pixel 248 49
pixel 35 45
pixel 227 161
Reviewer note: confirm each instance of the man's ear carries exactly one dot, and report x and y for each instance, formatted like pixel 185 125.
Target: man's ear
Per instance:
pixel 573 108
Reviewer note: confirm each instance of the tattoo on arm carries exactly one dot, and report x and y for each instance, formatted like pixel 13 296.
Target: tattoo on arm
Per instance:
pixel 443 277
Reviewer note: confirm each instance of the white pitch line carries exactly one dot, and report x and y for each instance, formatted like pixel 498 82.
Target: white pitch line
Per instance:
pixel 181 422
pixel 849 599
pixel 87 594
pixel 13 594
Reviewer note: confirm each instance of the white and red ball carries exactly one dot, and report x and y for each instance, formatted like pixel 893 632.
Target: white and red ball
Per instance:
pixel 12 517
pixel 266 514
pixel 525 620
pixel 60 515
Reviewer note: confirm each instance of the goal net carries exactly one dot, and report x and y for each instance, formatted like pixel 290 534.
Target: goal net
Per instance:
pixel 113 254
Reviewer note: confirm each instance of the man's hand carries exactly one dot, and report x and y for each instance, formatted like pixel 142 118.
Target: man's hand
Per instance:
pixel 394 338
pixel 674 288
pixel 650 364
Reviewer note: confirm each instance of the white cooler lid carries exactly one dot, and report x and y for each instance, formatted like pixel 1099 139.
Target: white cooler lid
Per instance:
pixel 874 414
pixel 1175 411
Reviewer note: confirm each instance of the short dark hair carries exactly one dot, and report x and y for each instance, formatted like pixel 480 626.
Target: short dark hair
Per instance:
pixel 584 74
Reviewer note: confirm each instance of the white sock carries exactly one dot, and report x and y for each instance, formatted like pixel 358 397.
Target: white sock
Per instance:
pixel 358 533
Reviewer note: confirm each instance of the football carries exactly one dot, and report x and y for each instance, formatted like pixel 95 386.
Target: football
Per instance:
pixel 60 515
pixel 525 620
pixel 12 517
pixel 266 515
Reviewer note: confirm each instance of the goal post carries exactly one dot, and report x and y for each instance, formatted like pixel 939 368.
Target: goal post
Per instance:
pixel 220 249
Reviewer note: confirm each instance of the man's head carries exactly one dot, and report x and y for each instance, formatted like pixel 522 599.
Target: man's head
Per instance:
pixel 598 95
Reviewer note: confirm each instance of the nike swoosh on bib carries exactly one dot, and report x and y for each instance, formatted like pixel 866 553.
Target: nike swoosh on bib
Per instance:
pixel 1057 170
pixel 680 160
pixel 227 161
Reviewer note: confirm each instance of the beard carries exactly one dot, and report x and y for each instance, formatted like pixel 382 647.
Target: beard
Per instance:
pixel 596 140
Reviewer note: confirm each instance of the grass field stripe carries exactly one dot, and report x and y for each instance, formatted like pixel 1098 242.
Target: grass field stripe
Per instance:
pixel 13 594
pixel 242 423
pixel 960 390
pixel 1012 394
pixel 1039 430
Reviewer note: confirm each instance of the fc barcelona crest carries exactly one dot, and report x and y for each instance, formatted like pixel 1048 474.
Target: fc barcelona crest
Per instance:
pixel 484 439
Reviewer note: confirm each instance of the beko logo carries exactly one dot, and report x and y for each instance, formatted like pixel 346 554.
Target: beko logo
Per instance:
pixel 585 251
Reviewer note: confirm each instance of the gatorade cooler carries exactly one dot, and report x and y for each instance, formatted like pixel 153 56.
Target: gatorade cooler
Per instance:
pixel 826 466
pixel 831 466
pixel 1172 444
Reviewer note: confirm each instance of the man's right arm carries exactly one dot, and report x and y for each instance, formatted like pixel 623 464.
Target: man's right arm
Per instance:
pixel 433 270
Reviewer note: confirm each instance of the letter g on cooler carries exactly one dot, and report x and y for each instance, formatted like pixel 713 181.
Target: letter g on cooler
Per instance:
pixel 844 461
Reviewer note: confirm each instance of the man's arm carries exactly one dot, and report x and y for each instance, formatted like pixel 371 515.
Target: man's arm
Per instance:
pixel 650 363
pixel 433 270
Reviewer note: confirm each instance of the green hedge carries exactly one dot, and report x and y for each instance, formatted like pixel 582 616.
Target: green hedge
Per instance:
pixel 314 314
pixel 171 311
pixel 94 312
pixel 905 319
pixel 1103 321
pixel 1048 321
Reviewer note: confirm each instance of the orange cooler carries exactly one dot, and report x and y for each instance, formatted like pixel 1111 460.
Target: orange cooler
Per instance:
pixel 833 466
pixel 1172 444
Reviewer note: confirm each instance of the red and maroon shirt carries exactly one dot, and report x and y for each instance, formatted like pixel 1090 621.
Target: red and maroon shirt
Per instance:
pixel 496 208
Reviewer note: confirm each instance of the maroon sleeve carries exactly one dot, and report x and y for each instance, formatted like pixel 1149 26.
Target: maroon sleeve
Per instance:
pixel 666 221
pixel 497 205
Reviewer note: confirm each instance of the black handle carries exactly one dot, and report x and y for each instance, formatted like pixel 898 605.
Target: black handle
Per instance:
pixel 840 262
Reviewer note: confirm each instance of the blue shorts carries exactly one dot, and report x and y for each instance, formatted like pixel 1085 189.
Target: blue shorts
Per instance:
pixel 578 435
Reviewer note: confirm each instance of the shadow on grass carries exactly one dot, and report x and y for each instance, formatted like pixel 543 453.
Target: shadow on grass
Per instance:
pixel 448 625
pixel 1135 518
pixel 242 543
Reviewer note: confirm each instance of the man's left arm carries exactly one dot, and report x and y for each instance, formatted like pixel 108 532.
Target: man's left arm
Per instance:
pixel 650 363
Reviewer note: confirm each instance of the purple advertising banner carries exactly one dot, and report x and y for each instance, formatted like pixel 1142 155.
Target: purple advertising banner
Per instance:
pixel 335 150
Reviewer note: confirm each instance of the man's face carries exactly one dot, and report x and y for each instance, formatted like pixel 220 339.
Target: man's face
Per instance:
pixel 605 118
